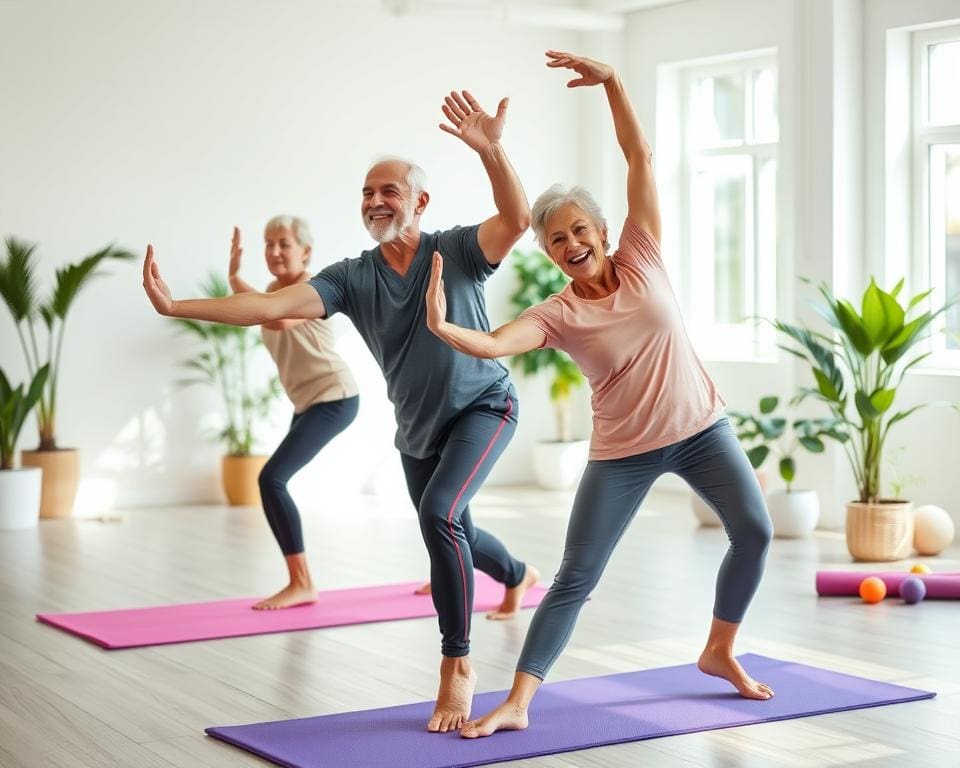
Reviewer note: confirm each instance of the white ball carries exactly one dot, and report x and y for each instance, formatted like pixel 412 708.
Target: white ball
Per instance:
pixel 933 530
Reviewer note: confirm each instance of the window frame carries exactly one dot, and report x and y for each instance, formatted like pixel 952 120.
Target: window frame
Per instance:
pixel 923 137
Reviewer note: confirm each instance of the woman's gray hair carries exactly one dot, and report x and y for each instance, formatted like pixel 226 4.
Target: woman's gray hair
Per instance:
pixel 557 195
pixel 416 176
pixel 299 227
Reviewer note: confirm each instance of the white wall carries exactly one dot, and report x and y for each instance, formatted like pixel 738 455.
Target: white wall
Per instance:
pixel 171 122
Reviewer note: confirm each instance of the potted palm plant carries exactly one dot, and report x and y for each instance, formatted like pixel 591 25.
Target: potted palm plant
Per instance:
pixel 794 511
pixel 19 488
pixel 857 370
pixel 18 286
pixel 224 363
pixel 557 463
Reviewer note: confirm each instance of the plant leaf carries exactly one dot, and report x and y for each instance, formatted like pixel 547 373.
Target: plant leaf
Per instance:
pixel 813 444
pixel 73 277
pixel 788 469
pixel 758 455
pixel 18 285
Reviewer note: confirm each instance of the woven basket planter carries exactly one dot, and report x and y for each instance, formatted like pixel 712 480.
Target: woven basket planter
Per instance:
pixel 880 532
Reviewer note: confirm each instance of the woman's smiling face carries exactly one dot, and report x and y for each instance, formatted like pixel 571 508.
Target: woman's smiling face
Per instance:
pixel 575 243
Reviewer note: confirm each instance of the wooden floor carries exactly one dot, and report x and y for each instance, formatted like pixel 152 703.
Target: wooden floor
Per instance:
pixel 65 702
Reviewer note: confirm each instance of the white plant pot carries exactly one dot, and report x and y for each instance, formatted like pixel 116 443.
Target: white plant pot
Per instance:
pixel 558 466
pixel 794 514
pixel 20 497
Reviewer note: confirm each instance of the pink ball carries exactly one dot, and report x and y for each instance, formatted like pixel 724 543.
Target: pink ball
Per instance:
pixel 912 590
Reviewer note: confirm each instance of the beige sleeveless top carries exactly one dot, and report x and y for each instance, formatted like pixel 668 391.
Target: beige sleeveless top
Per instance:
pixel 310 370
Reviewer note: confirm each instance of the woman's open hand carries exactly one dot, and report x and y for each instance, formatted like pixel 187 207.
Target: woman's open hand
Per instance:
pixel 591 72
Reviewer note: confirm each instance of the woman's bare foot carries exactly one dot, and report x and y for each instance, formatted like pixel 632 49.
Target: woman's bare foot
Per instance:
pixel 455 697
pixel 513 597
pixel 423 590
pixel 506 717
pixel 721 664
pixel 289 596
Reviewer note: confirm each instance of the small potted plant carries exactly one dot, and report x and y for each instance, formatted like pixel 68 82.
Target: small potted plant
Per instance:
pixel 557 463
pixel 857 370
pixel 224 363
pixel 61 466
pixel 794 512
pixel 19 488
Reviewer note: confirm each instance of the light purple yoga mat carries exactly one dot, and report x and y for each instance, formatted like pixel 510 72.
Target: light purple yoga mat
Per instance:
pixel 163 624
pixel 575 714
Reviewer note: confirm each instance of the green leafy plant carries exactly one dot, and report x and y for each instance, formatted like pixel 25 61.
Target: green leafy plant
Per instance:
pixel 223 363
pixel 539 278
pixel 858 369
pixel 767 433
pixel 18 286
pixel 15 404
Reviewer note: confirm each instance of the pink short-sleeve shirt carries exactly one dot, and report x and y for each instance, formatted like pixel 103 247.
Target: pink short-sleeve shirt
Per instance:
pixel 649 387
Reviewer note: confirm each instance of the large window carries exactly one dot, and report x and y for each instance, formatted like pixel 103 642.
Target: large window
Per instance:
pixel 729 216
pixel 936 162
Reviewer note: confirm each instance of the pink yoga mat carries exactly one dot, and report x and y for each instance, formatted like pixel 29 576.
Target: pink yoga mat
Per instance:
pixel 939 585
pixel 163 624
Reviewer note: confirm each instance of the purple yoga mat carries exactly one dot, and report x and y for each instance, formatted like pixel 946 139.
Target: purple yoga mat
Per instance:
pixel 163 624
pixel 944 586
pixel 575 714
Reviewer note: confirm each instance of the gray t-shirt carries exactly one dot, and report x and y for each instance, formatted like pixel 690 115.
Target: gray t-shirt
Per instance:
pixel 428 382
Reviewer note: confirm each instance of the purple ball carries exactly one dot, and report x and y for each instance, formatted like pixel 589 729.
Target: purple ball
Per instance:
pixel 912 590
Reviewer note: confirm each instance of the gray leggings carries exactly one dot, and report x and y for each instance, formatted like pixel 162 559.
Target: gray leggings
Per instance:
pixel 715 466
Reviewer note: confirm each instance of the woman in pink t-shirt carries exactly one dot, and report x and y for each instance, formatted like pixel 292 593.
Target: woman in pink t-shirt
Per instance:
pixel 655 409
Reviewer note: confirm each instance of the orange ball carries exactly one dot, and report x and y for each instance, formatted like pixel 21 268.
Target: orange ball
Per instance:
pixel 872 589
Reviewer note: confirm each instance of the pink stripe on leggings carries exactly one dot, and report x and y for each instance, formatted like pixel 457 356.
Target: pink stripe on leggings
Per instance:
pixel 463 488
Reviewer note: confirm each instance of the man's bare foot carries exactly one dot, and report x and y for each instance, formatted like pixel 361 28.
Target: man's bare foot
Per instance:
pixel 720 664
pixel 455 697
pixel 506 717
pixel 424 590
pixel 513 597
pixel 289 596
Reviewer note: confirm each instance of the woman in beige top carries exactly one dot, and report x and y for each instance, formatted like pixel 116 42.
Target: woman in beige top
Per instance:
pixel 318 383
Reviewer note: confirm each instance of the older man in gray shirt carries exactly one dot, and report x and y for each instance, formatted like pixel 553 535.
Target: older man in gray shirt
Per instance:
pixel 455 414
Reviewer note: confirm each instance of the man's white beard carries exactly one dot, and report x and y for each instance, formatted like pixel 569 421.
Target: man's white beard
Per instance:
pixel 385 234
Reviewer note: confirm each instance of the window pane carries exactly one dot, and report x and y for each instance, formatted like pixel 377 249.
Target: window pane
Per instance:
pixel 951 188
pixel 945 232
pixel 718 110
pixel 729 247
pixel 944 83
pixel 766 127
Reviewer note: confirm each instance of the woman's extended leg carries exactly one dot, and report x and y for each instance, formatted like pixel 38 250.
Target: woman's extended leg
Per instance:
pixel 715 466
pixel 607 500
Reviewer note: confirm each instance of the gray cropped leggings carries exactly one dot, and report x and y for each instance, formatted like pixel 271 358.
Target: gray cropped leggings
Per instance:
pixel 715 466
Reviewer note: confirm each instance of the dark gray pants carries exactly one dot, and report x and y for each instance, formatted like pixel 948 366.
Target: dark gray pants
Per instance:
pixel 309 432
pixel 715 466
pixel 441 487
